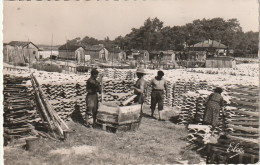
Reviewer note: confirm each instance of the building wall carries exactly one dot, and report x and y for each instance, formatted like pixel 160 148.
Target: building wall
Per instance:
pixel 13 54
pixel 30 53
pixel 104 54
pixel 122 56
pixel 47 53
pixel 220 63
pixel 145 56
pixel 80 53
pixel 98 54
pixel 18 54
pixel 68 55
pixel 167 57
pixel 93 54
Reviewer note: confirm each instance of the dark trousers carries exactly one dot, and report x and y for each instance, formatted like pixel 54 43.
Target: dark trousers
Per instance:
pixel 92 105
pixel 157 96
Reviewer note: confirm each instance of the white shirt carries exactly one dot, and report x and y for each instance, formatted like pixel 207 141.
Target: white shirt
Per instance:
pixel 158 84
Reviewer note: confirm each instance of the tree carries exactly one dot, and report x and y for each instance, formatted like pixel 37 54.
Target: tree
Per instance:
pixel 74 41
pixel 89 41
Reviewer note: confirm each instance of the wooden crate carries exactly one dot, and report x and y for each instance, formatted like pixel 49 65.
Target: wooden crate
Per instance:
pixel 115 118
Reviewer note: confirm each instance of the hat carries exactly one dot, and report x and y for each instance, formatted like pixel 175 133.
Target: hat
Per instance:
pixel 140 70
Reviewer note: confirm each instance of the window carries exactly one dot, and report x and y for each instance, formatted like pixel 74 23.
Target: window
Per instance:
pixel 34 52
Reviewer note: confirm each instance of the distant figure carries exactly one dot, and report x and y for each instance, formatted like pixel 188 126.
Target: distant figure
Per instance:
pixel 93 88
pixel 158 86
pixel 140 86
pixel 213 106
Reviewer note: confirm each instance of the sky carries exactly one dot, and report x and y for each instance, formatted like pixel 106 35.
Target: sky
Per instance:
pixel 37 21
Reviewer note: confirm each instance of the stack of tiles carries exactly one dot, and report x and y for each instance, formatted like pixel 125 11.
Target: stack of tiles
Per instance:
pixel 199 133
pixel 179 89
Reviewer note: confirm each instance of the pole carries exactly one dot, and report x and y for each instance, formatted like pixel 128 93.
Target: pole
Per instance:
pixel 66 64
pixel 29 54
pixel 84 63
pixel 51 46
pixel 218 47
pixel 113 57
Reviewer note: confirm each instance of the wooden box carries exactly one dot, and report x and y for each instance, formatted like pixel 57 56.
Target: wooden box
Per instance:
pixel 115 118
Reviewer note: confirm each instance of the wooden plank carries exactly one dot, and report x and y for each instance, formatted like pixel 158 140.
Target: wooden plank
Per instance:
pixel 129 100
pixel 256 98
pixel 226 142
pixel 42 107
pixel 245 119
pixel 107 118
pixel 129 122
pixel 50 111
pixel 251 92
pixel 248 108
pixel 244 123
pixel 247 87
pixel 246 112
pixel 253 104
pixel 245 135
pixel 255 141
pixel 246 129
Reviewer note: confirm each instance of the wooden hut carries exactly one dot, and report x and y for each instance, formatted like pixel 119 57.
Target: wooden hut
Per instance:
pixel 140 55
pixel 97 52
pixel 212 46
pixel 20 52
pixel 220 62
pixel 71 52
pixel 116 54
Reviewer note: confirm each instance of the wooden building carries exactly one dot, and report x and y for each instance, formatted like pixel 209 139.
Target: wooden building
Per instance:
pixel 116 54
pixel 47 52
pixel 212 46
pixel 71 52
pixel 20 52
pixel 220 62
pixel 140 55
pixel 97 52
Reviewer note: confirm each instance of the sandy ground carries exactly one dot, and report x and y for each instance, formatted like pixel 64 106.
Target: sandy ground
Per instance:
pixel 154 142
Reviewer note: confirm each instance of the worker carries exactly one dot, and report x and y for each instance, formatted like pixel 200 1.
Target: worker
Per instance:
pixel 93 88
pixel 213 106
pixel 158 85
pixel 140 87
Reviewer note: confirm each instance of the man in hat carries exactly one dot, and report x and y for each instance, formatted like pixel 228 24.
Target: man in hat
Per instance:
pixel 140 86
pixel 93 88
pixel 157 96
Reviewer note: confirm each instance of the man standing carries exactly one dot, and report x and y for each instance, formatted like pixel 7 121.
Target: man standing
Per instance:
pixel 158 86
pixel 140 86
pixel 93 87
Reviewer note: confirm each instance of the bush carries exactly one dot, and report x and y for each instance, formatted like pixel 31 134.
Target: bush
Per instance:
pixel 81 69
pixel 245 61
pixel 47 67
pixel 52 68
pixel 20 64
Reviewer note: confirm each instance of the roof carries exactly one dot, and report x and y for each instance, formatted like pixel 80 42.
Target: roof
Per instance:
pixel 21 43
pixel 167 52
pixel 209 43
pixel 94 47
pixel 70 47
pixel 164 52
pixel 154 52
pixel 138 51
pixel 223 58
pixel 48 47
pixel 115 50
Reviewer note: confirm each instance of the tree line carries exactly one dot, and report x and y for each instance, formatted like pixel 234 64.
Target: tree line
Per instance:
pixel 152 35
